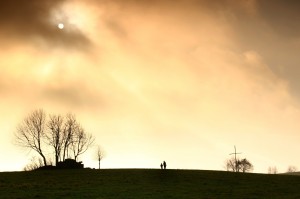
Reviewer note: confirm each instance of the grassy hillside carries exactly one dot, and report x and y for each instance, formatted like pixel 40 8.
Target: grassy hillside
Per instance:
pixel 144 183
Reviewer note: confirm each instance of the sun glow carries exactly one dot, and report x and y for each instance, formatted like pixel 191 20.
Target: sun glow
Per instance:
pixel 61 26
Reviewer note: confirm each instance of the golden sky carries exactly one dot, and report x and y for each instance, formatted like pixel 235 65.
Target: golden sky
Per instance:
pixel 174 80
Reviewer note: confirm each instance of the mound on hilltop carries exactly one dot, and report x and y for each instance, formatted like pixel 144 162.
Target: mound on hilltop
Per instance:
pixel 67 164
pixel 70 164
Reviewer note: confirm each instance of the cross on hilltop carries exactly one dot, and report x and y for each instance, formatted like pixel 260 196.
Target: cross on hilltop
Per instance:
pixel 235 153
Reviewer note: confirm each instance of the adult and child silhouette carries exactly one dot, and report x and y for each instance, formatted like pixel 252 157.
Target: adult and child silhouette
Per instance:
pixel 163 165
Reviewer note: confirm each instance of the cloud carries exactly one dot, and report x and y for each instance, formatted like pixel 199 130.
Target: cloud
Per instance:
pixel 153 53
pixel 32 22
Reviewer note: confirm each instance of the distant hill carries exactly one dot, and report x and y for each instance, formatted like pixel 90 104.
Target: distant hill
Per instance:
pixel 292 173
pixel 146 184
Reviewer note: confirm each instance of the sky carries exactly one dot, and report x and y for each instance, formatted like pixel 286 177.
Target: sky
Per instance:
pixel 177 80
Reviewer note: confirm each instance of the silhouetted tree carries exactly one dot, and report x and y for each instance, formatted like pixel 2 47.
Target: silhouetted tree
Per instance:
pixel 245 165
pixel 74 140
pixel 70 128
pixel 238 165
pixel 31 132
pixel 55 134
pixel 230 165
pixel 100 154
pixel 292 169
pixel 272 170
pixel 81 141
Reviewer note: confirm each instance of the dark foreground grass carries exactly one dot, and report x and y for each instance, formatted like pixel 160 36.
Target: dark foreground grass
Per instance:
pixel 146 183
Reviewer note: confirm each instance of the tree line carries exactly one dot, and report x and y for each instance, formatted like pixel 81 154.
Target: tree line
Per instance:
pixel 63 135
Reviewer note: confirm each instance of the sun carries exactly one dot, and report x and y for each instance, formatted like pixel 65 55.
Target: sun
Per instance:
pixel 73 17
pixel 61 26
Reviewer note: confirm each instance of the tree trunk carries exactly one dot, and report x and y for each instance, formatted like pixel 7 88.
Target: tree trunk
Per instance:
pixel 64 154
pixel 44 159
pixel 56 159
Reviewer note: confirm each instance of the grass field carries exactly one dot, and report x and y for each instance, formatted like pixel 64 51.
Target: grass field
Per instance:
pixel 146 183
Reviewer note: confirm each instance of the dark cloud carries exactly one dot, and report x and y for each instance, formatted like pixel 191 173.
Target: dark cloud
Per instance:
pixel 282 16
pixel 29 20
pixel 273 32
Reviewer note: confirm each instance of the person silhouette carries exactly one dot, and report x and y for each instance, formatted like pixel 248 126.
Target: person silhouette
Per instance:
pixel 165 165
pixel 161 165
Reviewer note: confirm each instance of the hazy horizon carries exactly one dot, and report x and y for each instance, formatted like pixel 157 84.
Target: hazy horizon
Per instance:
pixel 180 81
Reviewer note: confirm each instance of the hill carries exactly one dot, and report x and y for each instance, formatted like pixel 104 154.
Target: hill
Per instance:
pixel 293 173
pixel 146 183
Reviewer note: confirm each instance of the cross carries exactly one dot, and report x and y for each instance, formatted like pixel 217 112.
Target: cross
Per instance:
pixel 236 166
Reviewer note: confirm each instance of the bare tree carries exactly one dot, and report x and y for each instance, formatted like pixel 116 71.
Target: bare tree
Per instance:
pixel 272 170
pixel 31 132
pixel 292 169
pixel 245 165
pixel 230 164
pixel 75 139
pixel 238 165
pixel 55 134
pixel 100 154
pixel 68 134
pixel 81 142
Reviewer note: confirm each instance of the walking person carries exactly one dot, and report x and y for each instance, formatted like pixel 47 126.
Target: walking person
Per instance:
pixel 165 165
pixel 161 165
